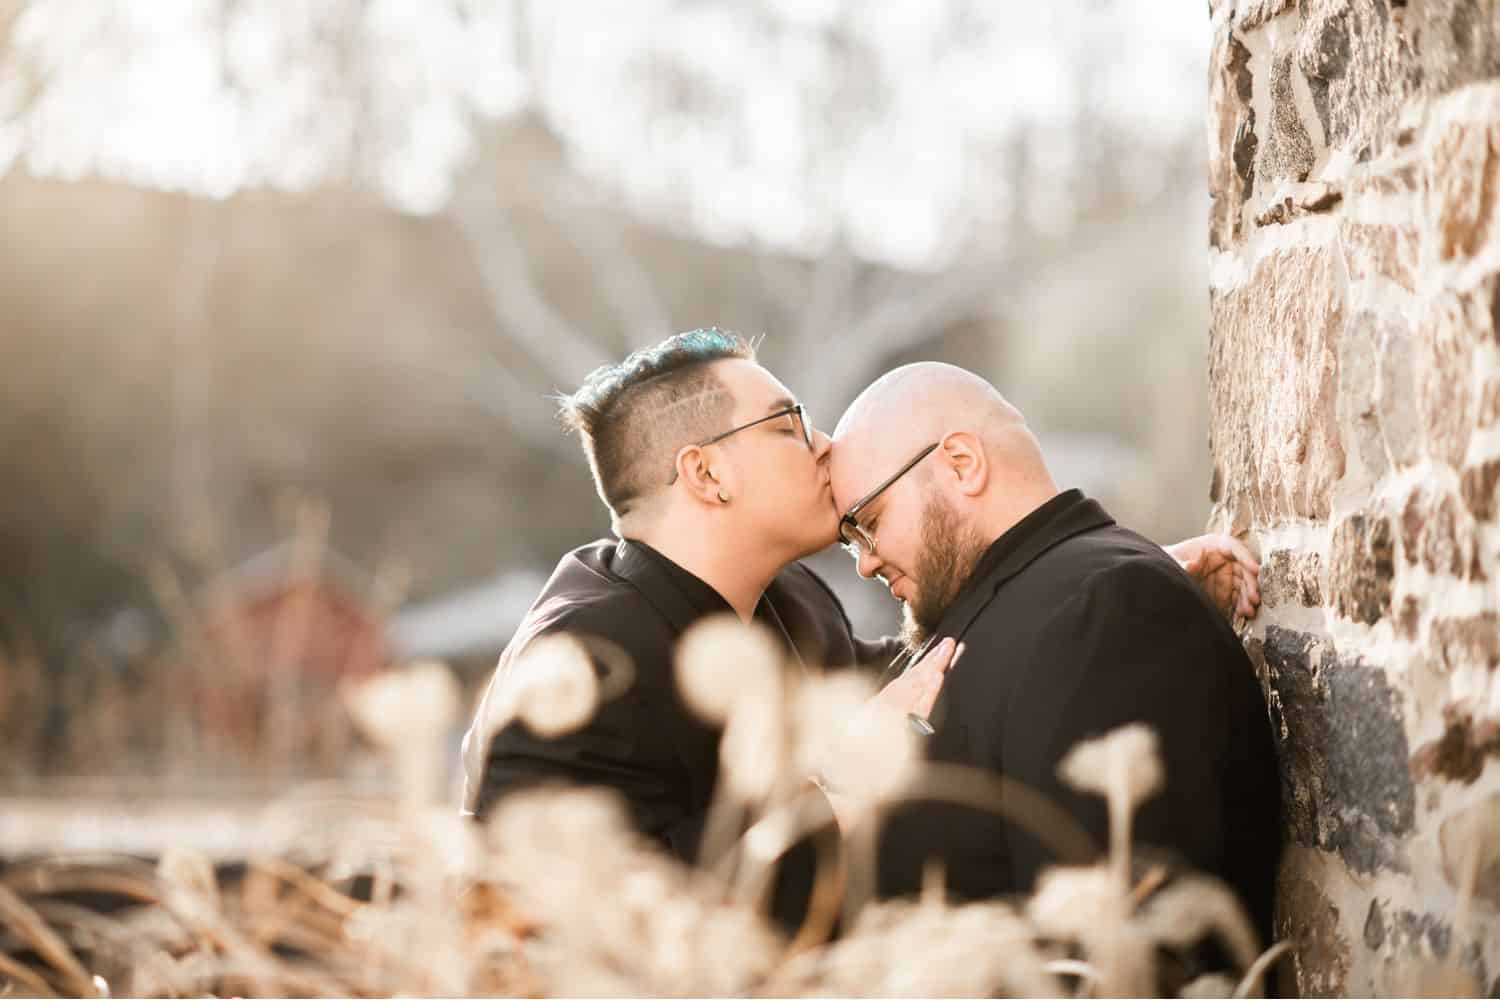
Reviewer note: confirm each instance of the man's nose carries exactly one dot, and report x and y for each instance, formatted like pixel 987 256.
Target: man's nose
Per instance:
pixel 822 445
pixel 868 563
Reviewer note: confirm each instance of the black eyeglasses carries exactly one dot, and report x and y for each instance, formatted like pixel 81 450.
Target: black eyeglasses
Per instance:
pixel 852 535
pixel 796 411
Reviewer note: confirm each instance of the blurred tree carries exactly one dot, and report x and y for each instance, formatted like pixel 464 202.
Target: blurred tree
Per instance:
pixel 346 248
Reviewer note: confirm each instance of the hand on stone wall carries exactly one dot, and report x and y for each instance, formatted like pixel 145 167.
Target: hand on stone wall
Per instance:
pixel 1225 568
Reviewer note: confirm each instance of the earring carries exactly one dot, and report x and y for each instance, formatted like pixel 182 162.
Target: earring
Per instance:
pixel 723 497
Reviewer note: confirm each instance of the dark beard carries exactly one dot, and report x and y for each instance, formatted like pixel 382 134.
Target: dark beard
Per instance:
pixel 950 550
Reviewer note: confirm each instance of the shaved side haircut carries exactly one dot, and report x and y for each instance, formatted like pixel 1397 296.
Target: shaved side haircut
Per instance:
pixel 633 417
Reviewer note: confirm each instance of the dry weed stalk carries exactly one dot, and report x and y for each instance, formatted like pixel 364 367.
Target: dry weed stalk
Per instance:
pixel 557 895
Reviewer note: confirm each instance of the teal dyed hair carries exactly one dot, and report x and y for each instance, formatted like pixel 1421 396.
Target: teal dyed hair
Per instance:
pixel 632 417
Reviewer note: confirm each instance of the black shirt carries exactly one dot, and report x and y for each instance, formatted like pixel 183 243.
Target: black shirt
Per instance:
pixel 1075 626
pixel 630 603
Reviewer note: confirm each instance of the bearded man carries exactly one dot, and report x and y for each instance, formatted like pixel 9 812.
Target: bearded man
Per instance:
pixel 1073 626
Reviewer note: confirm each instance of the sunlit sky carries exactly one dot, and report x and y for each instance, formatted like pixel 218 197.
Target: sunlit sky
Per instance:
pixel 780 142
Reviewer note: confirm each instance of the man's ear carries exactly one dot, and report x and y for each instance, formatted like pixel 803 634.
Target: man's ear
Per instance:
pixel 962 455
pixel 697 475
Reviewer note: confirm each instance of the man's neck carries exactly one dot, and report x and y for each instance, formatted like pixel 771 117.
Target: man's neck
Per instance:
pixel 1015 506
pixel 737 575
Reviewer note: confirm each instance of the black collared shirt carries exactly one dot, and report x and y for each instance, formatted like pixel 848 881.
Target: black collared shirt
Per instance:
pixel 701 599
pixel 630 603
pixel 1075 626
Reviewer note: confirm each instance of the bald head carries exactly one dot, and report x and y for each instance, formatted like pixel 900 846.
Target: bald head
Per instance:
pixel 913 406
pixel 924 401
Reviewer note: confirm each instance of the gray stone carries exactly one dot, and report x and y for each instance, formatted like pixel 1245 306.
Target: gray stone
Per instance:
pixel 1396 396
pixel 1358 409
pixel 1287 152
pixel 1343 752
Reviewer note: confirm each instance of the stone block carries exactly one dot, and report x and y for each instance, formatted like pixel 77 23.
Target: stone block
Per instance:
pixel 1445 541
pixel 1362 567
pixel 1388 251
pixel 1310 920
pixel 1358 398
pixel 1286 149
pixel 1396 396
pixel 1467 642
pixel 1471 850
pixel 1251 14
pixel 1445 370
pixel 1478 483
pixel 1288 577
pixel 1273 381
pixel 1464 175
pixel 1461 752
pixel 1489 403
pixel 1231 161
pixel 1343 753
pixel 1359 78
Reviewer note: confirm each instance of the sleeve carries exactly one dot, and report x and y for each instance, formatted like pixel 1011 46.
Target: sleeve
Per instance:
pixel 871 657
pixel 1132 645
pixel 625 747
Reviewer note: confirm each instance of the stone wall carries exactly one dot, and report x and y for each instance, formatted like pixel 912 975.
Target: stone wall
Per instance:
pixel 1355 392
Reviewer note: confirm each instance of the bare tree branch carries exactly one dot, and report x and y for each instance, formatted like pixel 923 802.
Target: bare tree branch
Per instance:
pixel 626 285
pixel 520 309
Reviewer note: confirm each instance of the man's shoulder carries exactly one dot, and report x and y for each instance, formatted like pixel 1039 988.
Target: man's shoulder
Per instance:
pixel 585 594
pixel 1096 575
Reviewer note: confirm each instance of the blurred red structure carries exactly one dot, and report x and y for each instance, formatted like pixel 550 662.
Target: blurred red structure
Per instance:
pixel 269 644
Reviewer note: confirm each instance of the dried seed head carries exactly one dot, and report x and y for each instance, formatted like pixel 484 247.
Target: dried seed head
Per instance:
pixel 556 689
pixel 875 755
pixel 1070 902
pixel 1195 906
pixel 721 661
pixel 393 706
pixel 1209 986
pixel 1123 762
pixel 549 821
pixel 1091 905
pixel 822 709
pixel 750 749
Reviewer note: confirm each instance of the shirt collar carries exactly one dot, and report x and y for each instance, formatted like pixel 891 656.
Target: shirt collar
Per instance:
pixel 684 597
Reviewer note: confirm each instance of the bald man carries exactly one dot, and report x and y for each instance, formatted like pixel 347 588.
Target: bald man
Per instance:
pixel 1073 626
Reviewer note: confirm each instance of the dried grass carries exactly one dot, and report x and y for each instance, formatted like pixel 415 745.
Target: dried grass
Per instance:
pixel 556 895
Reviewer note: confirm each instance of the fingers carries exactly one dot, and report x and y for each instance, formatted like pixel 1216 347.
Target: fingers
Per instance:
pixel 934 669
pixel 1238 551
pixel 939 658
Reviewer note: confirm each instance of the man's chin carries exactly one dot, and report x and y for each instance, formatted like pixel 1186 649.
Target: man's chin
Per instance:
pixel 912 632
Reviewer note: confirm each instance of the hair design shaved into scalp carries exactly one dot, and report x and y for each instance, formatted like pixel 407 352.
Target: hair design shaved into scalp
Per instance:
pixel 633 417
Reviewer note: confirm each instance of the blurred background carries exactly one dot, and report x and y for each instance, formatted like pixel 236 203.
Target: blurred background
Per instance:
pixel 288 284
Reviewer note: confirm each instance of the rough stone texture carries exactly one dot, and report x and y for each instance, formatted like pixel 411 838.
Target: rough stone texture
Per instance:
pixel 1288 577
pixel 1343 751
pixel 1460 753
pixel 1288 150
pixel 1462 861
pixel 1274 427
pixel 1310 920
pixel 1362 567
pixel 1354 372
pixel 1232 156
